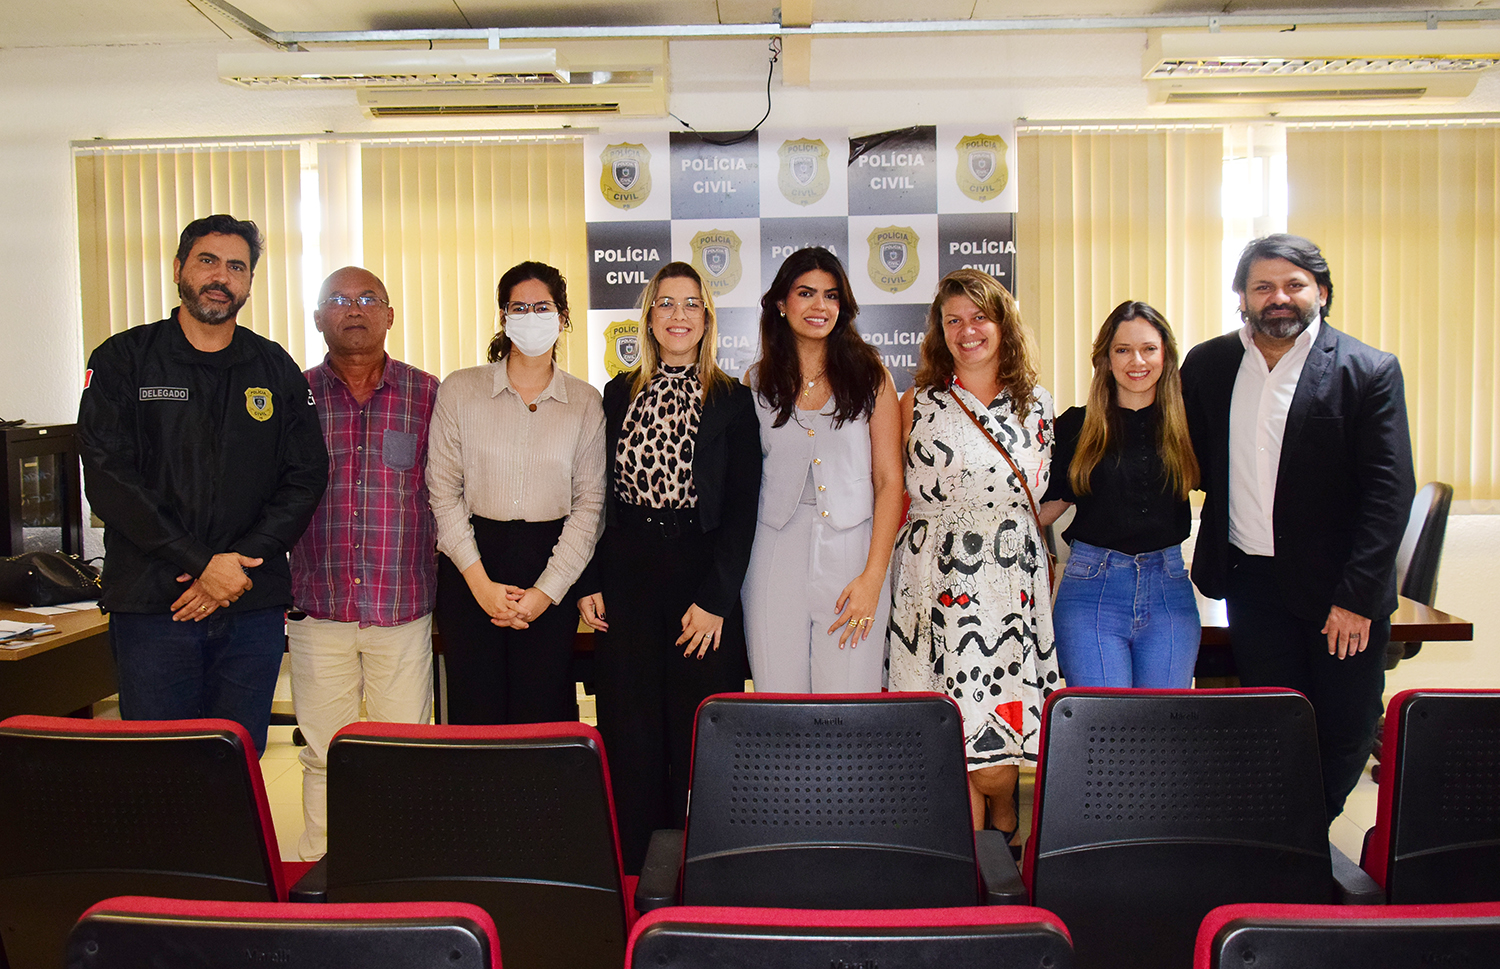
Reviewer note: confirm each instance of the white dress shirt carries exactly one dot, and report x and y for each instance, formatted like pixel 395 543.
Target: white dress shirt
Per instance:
pixel 1257 421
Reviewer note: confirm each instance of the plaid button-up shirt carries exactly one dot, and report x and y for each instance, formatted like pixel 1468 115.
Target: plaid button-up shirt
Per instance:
pixel 369 555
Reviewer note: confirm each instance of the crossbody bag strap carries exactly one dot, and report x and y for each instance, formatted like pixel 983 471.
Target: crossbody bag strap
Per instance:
pixel 1020 476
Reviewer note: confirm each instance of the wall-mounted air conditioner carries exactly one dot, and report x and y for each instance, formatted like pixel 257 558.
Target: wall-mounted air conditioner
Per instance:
pixel 1255 66
pixel 622 78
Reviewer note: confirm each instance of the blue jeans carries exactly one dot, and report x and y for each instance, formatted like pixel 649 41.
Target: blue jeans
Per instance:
pixel 224 666
pixel 1126 620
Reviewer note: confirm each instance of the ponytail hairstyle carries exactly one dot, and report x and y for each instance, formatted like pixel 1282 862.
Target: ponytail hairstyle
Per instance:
pixel 514 276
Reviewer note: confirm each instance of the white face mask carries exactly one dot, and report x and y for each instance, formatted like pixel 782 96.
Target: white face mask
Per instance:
pixel 532 333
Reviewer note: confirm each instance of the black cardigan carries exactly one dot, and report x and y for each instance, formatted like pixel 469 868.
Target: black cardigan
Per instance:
pixel 726 477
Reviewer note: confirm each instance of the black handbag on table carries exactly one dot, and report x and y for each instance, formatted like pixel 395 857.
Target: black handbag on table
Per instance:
pixel 47 579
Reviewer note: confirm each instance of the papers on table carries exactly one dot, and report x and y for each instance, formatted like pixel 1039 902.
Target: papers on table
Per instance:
pixel 59 610
pixel 14 635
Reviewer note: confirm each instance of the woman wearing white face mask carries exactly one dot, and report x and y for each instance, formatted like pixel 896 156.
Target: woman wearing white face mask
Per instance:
pixel 516 470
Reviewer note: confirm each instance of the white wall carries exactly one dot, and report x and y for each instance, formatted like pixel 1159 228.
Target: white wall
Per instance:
pixel 49 97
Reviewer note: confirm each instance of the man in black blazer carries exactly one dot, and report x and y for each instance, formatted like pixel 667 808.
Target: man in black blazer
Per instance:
pixel 1301 437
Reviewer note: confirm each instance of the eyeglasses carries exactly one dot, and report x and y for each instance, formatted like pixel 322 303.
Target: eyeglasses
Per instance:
pixel 542 306
pixel 692 306
pixel 344 302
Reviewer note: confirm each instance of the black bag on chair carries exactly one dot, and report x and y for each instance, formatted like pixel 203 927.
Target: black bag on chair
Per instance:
pixel 47 579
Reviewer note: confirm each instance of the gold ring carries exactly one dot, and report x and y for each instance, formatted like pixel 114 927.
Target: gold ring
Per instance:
pixel 852 622
pixel 203 608
pixel 866 619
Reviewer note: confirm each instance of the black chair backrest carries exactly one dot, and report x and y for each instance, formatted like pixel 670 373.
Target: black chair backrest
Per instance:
pixel 966 938
pixel 95 810
pixel 166 933
pixel 1422 544
pixel 1444 817
pixel 1350 937
pixel 516 820
pixel 829 802
pixel 1153 807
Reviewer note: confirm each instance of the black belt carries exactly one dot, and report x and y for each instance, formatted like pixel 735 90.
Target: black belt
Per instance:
pixel 671 521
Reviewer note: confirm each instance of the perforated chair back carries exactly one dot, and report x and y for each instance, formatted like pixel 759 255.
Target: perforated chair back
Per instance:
pixel 169 933
pixel 98 808
pixel 518 820
pixel 829 802
pixel 1154 806
pixel 953 938
pixel 1437 822
pixel 1349 937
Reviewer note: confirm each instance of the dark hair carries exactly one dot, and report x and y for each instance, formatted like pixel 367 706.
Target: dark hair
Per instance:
pixel 1015 366
pixel 514 276
pixel 220 225
pixel 1300 252
pixel 852 366
pixel 1103 429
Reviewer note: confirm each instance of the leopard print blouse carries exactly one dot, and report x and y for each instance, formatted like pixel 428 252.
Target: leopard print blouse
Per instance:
pixel 654 459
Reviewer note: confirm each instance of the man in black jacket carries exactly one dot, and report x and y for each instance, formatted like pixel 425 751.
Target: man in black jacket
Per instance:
pixel 1301 435
pixel 203 455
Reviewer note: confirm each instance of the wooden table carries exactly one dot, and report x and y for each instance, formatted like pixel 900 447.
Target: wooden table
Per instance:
pixel 60 673
pixel 1412 622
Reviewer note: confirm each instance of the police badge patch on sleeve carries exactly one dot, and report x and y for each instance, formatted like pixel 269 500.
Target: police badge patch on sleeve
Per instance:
pixel 258 403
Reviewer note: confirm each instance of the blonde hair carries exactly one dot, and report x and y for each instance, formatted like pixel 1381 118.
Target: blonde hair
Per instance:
pixel 713 378
pixel 1101 423
pixel 1016 366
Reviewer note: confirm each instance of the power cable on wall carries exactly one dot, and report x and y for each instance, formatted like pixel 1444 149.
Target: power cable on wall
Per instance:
pixel 775 48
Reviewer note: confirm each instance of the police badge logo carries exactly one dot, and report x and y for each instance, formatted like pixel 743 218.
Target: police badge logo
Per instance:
pixel 893 262
pixel 625 179
pixel 622 346
pixel 258 403
pixel 982 172
pixel 803 177
pixel 716 256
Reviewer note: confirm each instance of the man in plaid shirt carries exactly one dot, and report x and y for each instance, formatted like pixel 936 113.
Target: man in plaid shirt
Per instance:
pixel 366 569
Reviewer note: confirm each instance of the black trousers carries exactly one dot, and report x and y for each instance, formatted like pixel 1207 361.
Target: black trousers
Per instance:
pixel 647 691
pixel 1272 647
pixel 497 674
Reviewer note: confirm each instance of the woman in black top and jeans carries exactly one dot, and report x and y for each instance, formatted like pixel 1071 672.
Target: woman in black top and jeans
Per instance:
pixel 1125 613
pixel 682 449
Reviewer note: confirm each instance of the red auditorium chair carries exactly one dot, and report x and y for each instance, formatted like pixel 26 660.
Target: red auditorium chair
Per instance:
pixel 1257 936
pixel 98 808
pixel 829 802
pixel 989 937
pixel 1437 827
pixel 518 820
pixel 1154 806
pixel 171 933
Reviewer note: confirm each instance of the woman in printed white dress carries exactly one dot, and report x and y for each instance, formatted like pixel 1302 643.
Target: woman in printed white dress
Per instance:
pixel 971 614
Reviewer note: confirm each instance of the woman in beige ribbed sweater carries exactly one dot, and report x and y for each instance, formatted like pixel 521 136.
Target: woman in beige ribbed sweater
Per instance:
pixel 516 471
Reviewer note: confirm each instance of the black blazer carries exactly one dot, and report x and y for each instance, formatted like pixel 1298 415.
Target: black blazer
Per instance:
pixel 1344 486
pixel 726 477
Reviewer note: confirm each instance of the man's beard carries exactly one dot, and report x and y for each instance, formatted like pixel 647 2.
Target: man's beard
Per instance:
pixel 1283 327
pixel 206 312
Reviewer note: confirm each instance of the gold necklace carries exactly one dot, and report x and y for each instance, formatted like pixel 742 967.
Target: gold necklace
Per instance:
pixel 814 382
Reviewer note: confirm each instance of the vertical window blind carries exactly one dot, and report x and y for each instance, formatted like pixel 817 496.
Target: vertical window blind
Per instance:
pixel 1110 216
pixel 1410 222
pixel 133 205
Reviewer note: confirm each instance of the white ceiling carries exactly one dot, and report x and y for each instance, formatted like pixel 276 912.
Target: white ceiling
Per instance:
pixel 73 23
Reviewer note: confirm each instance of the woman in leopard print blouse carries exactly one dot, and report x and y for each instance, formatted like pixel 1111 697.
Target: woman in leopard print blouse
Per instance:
pixel 683 453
